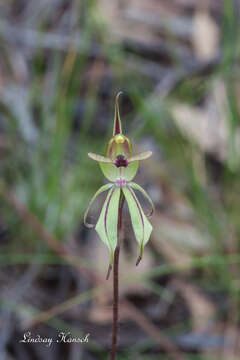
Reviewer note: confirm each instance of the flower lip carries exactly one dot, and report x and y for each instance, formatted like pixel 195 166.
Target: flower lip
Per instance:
pixel 121 161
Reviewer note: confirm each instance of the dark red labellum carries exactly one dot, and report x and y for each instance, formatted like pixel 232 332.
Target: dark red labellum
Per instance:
pixel 121 161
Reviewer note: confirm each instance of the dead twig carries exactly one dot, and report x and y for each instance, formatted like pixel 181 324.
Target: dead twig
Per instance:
pixel 157 335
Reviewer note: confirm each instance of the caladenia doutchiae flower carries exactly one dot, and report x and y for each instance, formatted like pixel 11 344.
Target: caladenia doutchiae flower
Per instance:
pixel 120 166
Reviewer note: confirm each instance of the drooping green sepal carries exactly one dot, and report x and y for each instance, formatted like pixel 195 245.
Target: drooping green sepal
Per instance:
pixel 141 226
pixel 139 188
pixel 102 189
pixel 106 226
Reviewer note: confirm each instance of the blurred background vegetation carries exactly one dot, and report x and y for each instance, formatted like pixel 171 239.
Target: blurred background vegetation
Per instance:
pixel 61 65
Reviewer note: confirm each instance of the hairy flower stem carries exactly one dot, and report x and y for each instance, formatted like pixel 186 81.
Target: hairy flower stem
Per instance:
pixel 115 282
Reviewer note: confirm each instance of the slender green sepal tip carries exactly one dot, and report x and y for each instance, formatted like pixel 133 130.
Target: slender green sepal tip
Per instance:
pixel 117 126
pixel 138 260
pixel 109 271
pixel 140 254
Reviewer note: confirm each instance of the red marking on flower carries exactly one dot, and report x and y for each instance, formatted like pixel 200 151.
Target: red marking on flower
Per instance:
pixel 117 126
pixel 121 182
pixel 121 161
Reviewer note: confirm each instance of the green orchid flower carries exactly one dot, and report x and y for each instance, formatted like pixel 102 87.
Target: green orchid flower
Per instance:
pixel 120 167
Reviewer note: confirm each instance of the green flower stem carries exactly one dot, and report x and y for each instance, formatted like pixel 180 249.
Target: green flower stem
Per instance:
pixel 116 282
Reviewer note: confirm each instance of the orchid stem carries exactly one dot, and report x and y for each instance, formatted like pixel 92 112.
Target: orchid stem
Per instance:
pixel 116 282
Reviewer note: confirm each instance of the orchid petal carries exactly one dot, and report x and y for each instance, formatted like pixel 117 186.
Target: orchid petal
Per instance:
pixel 110 171
pixel 141 226
pixel 114 173
pixel 129 172
pixel 101 158
pixel 102 188
pixel 106 226
pixel 139 188
pixel 141 156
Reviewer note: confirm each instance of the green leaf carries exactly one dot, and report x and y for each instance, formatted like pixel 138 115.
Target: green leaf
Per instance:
pixel 102 188
pixel 141 226
pixel 106 226
pixel 113 173
pixel 139 188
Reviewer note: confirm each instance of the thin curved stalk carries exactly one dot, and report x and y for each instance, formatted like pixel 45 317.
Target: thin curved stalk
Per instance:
pixel 116 282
